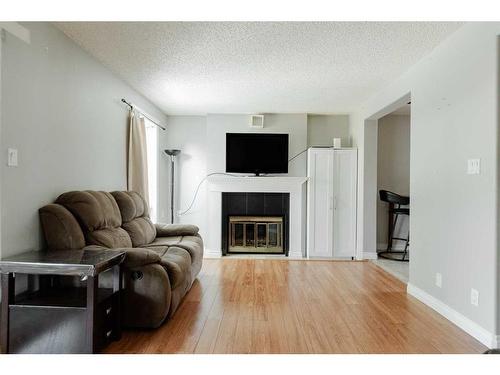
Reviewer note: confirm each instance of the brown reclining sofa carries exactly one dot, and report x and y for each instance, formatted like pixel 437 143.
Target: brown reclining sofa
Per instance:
pixel 161 262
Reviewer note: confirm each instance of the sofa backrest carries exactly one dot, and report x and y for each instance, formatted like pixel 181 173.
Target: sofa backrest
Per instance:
pixel 135 217
pixel 61 230
pixel 99 217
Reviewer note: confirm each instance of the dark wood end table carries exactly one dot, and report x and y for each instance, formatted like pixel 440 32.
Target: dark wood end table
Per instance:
pixel 55 318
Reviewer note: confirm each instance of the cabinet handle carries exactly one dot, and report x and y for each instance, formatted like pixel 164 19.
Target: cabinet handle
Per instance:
pixel 108 334
pixel 108 310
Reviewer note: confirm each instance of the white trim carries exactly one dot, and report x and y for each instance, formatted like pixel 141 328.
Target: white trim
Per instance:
pixel 17 30
pixel 370 255
pixel 293 185
pixel 472 328
pixel 208 254
pixel 496 342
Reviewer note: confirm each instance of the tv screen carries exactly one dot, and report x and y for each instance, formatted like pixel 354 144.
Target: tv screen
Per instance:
pixel 256 153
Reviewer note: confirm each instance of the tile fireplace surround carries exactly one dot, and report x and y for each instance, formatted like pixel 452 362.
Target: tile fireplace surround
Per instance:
pixel 255 223
pixel 295 186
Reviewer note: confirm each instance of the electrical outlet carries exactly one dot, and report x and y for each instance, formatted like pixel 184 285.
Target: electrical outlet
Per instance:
pixel 474 166
pixel 439 280
pixel 12 157
pixel 474 297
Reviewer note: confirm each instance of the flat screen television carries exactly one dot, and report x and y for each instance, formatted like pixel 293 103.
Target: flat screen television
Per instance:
pixel 256 153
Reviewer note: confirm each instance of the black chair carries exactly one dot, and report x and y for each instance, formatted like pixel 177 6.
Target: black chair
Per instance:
pixel 395 202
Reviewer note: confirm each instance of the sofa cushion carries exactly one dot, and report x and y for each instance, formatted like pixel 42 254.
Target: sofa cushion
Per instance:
pixel 177 262
pixel 131 205
pixel 135 217
pixel 98 215
pixel 109 237
pixel 192 244
pixel 93 209
pixel 61 230
pixel 140 230
pixel 165 241
pixel 134 256
pixel 169 230
pixel 160 250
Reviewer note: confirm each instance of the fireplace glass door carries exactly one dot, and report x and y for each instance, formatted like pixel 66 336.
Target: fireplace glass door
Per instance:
pixel 256 234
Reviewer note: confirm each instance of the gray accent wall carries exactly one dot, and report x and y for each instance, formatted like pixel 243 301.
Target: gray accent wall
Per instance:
pixel 61 109
pixel 321 129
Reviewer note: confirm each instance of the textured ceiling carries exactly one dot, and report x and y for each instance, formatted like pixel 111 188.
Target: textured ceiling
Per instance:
pixel 258 67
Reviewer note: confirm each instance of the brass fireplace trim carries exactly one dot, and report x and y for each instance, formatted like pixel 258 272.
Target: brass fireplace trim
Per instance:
pixel 257 243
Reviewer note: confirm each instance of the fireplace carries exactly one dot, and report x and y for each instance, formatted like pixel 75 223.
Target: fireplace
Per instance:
pixel 256 234
pixel 255 223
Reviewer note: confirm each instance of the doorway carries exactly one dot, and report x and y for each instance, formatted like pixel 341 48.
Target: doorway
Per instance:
pixel 393 175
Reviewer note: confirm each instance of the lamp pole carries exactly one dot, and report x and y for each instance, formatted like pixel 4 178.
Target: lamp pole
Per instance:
pixel 172 153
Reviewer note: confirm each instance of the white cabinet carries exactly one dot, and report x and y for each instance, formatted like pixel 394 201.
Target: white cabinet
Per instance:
pixel 331 202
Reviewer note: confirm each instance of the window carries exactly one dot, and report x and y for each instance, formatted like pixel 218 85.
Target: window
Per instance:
pixel 152 156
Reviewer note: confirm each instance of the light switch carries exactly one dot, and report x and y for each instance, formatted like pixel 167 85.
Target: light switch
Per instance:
pixel 439 280
pixel 474 166
pixel 12 157
pixel 474 297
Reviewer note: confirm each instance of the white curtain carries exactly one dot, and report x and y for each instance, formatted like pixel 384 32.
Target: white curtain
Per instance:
pixel 137 174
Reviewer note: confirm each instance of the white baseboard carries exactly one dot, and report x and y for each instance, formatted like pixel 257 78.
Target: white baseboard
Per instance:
pixel 496 343
pixel 472 328
pixel 207 253
pixel 369 255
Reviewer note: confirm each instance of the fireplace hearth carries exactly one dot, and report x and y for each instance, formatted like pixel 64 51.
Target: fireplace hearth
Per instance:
pixel 255 223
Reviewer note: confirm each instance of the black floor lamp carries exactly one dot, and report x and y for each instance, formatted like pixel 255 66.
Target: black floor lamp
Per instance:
pixel 172 154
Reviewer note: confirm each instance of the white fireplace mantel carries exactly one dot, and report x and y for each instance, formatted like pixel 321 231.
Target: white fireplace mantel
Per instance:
pixel 295 186
pixel 255 184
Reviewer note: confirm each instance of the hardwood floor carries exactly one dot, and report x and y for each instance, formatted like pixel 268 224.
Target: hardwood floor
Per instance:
pixel 281 306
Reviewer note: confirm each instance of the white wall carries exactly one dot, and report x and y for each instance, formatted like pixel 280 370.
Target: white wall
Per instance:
pixel 321 129
pixel 61 109
pixel 219 125
pixel 393 172
pixel 454 225
pixel 187 133
pixel 202 140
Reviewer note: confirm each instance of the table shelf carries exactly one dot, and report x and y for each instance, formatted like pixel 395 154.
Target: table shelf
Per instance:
pixel 60 297
pixel 61 318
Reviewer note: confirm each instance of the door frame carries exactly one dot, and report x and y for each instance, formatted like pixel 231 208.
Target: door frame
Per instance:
pixel 368 197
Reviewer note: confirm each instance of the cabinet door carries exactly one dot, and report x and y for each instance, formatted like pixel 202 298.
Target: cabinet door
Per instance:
pixel 344 203
pixel 320 203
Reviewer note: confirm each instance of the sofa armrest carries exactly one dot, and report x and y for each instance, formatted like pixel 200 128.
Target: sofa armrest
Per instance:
pixel 171 230
pixel 135 256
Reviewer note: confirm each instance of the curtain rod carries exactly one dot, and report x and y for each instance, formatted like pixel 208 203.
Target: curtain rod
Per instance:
pixel 142 113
